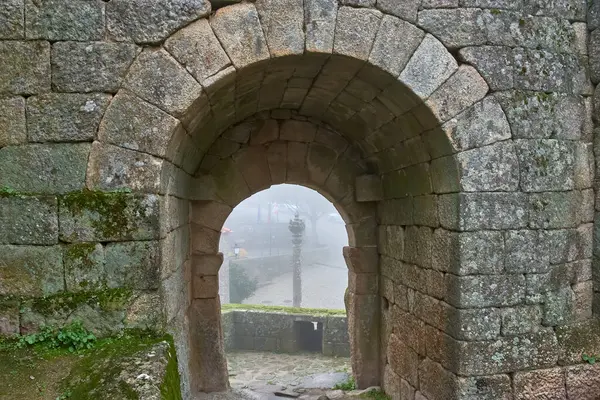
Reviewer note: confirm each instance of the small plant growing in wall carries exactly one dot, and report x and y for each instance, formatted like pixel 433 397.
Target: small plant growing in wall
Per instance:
pixel 346 386
pixel 73 337
pixel 589 358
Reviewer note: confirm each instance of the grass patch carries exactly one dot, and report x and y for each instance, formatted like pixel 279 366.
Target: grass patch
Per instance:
pixel 282 309
pixel 347 386
pixel 375 395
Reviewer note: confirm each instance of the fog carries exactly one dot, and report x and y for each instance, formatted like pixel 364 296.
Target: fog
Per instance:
pixel 257 244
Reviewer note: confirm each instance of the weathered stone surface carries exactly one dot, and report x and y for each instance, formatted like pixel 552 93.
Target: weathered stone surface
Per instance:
pixel 530 351
pixel 455 28
pixel 12 121
pixel 368 188
pixel 112 168
pixel 252 163
pixel 28 220
pixel 490 387
pixel 577 339
pixel 488 210
pixel 297 131
pixel 468 253
pixel 557 210
pixel 157 78
pixel 320 19
pixel 545 383
pixel 84 267
pixel 91 67
pixel 583 381
pixel 543 115
pixel 485 290
pixel 521 319
pixel 25 67
pixel 546 164
pixel 132 265
pixel 430 65
pixel 527 251
pixel 31 270
pixel 439 4
pixel 230 184
pixel 403 360
pixel 489 168
pixel 463 89
pixel 494 63
pixel 134 20
pixel 594 59
pixel 355 31
pixel 64 20
pixel 65 117
pixel 389 53
pixel 239 31
pixel 9 319
pixel 39 168
pixel 572 9
pixel 12 20
pixel 95 216
pixel 134 124
pixel 407 10
pixel 435 381
pixel 283 24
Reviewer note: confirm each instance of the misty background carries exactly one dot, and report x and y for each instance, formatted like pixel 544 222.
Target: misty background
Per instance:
pixel 257 245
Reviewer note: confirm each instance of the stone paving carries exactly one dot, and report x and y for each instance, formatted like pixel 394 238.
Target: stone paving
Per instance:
pixel 272 372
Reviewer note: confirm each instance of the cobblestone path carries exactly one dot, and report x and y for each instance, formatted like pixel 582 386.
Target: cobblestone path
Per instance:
pixel 271 371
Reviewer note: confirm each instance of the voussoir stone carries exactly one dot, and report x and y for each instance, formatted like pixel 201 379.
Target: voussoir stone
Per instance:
pixel 25 67
pixel 320 18
pixel 392 54
pixel 55 117
pixel 44 168
pixel 240 32
pixel 196 48
pixel 407 10
pixel 455 28
pixel 283 24
pixel 31 270
pixel 494 63
pixel 157 78
pixel 132 123
pixel 430 65
pixel 13 129
pixel 355 31
pixel 64 20
pixel 91 66
pixel 140 22
pixel 12 19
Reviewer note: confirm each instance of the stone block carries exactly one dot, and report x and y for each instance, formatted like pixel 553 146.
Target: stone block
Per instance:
pixel 28 220
pixel 527 251
pixel 113 168
pixel 9 319
pixel 95 216
pixel 156 77
pixel 542 115
pixel 283 24
pixel 59 20
pixel 361 259
pixel 132 265
pixel 390 54
pixel 144 312
pixel 445 104
pixel 342 178
pixel 204 240
pixel 494 63
pixel 320 161
pixel 468 253
pixel 403 360
pixel 553 210
pixel 490 168
pixel 436 382
pixel 12 20
pixel 529 351
pixel 577 339
pixel 491 387
pixel 91 67
pixel 473 324
pixel 13 129
pixel 391 241
pixel 521 319
pixel 128 20
pixel 545 383
pixel 84 267
pixel 418 245
pixel 582 381
pixel 65 117
pixel 485 290
pixel 492 211
pixel 298 131
pixel 429 67
pixel 455 28
pixel 439 4
pixel 239 30
pixel 31 270
pixel 546 164
pixel 205 286
pixel 355 31
pixel 320 19
pixel 368 188
pixel 410 181
pixel 25 67
pixel 44 168
pixel 406 10
pixel 197 48
pixel 252 163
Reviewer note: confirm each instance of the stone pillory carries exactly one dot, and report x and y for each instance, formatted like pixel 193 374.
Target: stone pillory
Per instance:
pixel 454 136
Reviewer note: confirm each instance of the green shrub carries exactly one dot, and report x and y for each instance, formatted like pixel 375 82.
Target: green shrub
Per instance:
pixel 241 286
pixel 73 337
pixel 350 384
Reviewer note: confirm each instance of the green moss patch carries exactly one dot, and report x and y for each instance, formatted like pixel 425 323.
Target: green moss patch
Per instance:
pixel 108 300
pixel 282 309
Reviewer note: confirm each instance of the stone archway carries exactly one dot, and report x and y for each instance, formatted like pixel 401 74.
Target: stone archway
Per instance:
pixel 261 152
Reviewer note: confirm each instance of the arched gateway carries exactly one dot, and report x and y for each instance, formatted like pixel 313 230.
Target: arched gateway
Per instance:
pixel 470 237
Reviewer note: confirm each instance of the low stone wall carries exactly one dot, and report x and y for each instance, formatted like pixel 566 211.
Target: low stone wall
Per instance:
pixel 277 331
